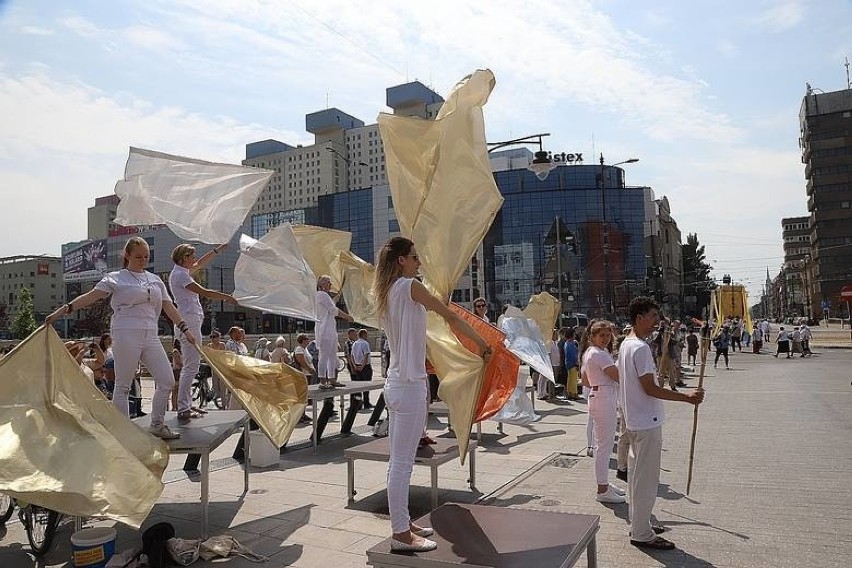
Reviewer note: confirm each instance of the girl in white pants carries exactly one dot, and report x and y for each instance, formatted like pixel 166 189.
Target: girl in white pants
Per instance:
pixel 186 292
pixel 602 376
pixel 137 297
pixel 402 302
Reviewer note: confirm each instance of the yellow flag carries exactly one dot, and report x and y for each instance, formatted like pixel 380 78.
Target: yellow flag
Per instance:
pixel 64 446
pixel 274 394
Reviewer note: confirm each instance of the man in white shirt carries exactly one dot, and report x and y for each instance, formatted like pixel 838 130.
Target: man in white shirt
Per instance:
pixel 641 403
pixel 363 370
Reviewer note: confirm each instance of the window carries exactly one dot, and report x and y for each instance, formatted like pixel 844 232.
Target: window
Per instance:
pixel 393 226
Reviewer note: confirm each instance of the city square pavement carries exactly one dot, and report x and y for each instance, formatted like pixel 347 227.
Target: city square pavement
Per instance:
pixel 770 485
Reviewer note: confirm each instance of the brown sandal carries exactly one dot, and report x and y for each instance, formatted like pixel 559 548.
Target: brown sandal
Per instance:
pixel 659 543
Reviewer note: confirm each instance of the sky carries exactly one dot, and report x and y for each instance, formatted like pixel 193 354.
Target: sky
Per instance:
pixel 705 94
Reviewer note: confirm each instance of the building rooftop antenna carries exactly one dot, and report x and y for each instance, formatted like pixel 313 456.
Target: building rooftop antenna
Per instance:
pixel 848 83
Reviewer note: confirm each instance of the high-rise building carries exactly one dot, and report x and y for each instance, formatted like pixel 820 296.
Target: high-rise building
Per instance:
pixel 825 121
pixel 796 232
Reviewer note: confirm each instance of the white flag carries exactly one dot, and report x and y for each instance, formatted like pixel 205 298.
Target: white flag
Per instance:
pixel 197 200
pixel 272 276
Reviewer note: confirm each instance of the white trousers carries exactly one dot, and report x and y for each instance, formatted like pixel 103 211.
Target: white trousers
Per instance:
pixel 327 366
pixel 191 360
pixel 644 478
pixel 603 405
pixel 129 347
pixel 407 406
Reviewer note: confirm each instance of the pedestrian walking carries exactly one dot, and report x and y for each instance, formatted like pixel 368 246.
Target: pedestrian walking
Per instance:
pixel 782 343
pixel 641 399
pixel 722 343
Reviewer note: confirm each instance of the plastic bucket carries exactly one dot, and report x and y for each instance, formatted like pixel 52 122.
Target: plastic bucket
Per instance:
pixel 93 547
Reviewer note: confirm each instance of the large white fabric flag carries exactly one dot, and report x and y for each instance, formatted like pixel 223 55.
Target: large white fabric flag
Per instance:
pixel 272 276
pixel 197 200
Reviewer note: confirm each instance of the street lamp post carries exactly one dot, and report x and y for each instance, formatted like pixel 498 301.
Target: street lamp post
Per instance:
pixel 348 162
pixel 607 295
pixel 541 164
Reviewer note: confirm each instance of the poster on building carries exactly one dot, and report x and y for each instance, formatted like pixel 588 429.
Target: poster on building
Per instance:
pixel 86 262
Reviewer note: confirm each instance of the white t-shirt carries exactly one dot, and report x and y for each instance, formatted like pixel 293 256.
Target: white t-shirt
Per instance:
pixel 404 322
pixel 279 355
pixel 361 352
pixel 237 347
pixel 326 327
pixel 187 302
pixel 137 299
pixel 304 353
pixel 554 353
pixel 641 412
pixel 595 360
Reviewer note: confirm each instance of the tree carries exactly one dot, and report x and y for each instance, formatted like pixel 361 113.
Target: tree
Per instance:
pixel 696 276
pixel 24 322
pixel 95 320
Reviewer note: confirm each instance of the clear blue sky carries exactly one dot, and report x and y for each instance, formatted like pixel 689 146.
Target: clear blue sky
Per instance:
pixel 705 94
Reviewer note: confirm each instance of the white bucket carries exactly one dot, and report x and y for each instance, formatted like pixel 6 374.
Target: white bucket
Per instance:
pixel 262 452
pixel 93 547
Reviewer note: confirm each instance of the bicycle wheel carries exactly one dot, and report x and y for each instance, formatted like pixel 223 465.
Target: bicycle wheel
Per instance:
pixel 41 525
pixel 7 506
pixel 341 363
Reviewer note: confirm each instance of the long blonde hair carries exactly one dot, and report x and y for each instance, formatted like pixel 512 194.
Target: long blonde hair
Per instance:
pixel 594 328
pixel 388 270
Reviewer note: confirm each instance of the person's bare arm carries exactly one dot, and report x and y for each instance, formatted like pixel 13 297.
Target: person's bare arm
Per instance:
pixel 77 303
pixel 420 294
pixel 652 389
pixel 207 257
pixel 211 294
pixel 611 372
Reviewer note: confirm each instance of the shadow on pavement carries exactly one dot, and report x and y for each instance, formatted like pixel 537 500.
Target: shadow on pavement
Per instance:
pixel 676 558
pixel 491 442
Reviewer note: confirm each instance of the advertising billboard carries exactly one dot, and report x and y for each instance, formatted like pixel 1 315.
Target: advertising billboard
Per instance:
pixel 86 262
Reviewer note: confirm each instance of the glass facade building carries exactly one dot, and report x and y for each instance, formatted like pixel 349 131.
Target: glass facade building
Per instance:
pixel 549 236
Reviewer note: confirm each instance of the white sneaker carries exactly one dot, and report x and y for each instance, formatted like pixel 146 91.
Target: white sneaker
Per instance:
pixel 163 432
pixel 617 489
pixel 610 496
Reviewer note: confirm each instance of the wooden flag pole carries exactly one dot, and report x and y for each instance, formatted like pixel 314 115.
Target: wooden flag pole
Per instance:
pixel 705 348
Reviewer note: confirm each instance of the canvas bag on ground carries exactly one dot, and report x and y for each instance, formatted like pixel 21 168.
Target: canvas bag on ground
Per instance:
pixel 222 546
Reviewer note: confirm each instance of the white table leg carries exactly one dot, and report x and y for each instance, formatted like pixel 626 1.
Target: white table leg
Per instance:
pixel 350 480
pixel 246 448
pixel 434 487
pixel 314 422
pixel 592 554
pixel 471 457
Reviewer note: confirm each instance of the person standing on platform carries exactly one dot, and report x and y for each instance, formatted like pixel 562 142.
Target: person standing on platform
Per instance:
pixel 361 364
pixel 641 400
pixel 137 297
pixel 402 302
pixel 187 293
pixel 326 333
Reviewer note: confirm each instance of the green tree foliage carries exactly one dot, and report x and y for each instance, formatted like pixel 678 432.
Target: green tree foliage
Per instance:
pixel 95 320
pixel 696 275
pixel 24 322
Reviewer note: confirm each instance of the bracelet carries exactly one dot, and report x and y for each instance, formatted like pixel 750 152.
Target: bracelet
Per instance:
pixel 182 326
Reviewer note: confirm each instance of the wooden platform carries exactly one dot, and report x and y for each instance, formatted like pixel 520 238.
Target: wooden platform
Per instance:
pixel 497 537
pixel 433 455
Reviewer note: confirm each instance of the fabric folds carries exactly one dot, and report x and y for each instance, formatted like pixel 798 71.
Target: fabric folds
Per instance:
pixel 274 394
pixel 64 446
pixel 320 248
pixel 197 200
pixel 272 276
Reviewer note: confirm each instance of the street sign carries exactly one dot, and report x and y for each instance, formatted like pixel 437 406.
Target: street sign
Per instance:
pixel 846 292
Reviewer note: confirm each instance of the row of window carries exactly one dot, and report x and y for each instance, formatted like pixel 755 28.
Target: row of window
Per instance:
pixel 795 226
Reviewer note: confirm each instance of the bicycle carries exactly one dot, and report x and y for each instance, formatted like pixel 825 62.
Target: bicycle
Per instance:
pixel 202 391
pixel 39 523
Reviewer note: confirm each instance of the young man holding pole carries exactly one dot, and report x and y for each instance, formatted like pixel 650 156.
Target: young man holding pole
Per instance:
pixel 643 412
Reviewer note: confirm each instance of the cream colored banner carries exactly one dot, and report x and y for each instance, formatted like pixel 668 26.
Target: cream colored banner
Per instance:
pixel 64 446
pixel 320 248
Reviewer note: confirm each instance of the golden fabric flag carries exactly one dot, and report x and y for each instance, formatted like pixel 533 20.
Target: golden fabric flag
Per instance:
pixel 320 248
pixel 274 394
pixel 730 300
pixel 543 309
pixel 445 199
pixel 64 446
pixel 358 278
pixel 501 372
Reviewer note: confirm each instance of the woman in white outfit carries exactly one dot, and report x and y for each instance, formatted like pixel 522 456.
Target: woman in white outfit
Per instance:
pixel 186 292
pixel 137 298
pixel 326 333
pixel 602 376
pixel 402 302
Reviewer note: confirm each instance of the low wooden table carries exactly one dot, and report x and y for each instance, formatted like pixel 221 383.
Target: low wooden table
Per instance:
pixel 316 394
pixel 497 537
pixel 202 436
pixel 432 455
